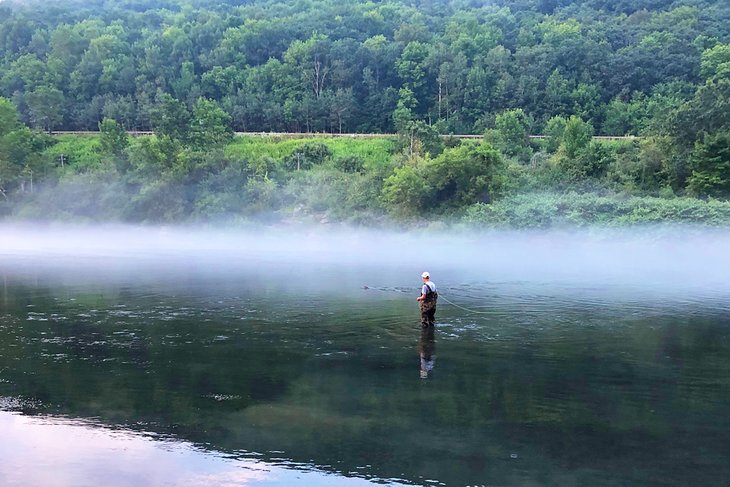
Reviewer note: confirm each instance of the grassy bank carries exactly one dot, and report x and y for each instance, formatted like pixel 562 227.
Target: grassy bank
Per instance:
pixel 373 151
pixel 374 181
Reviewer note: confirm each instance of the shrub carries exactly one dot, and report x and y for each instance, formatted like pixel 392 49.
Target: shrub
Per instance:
pixel 539 210
pixel 465 175
pixel 308 155
pixel 405 191
pixel 349 163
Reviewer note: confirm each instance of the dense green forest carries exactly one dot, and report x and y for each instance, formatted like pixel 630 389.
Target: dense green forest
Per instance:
pixel 195 71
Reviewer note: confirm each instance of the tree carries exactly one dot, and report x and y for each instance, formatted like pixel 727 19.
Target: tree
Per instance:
pixel 113 138
pixel 67 46
pixel 576 136
pixel 219 81
pixel 663 105
pixel 9 117
pixel 9 168
pixel 26 73
pixel 710 164
pixel 403 114
pixel 122 109
pixel 342 104
pixel 706 113
pixel 46 107
pixel 210 126
pixel 106 65
pixel 554 130
pixel 715 64
pixel 558 94
pixel 625 118
pixel 350 163
pixel 513 130
pixel 311 64
pixel 477 93
pixel 592 162
pixel 466 175
pixel 587 102
pixel 378 58
pixel 412 70
pixel 154 158
pixel 171 118
pixel 405 191
pixel 19 161
pixel 185 86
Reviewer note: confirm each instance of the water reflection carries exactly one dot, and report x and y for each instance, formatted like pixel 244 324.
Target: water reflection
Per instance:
pixel 93 455
pixel 427 351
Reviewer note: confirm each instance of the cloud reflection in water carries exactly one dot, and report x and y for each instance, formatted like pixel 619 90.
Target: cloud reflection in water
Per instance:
pixel 66 452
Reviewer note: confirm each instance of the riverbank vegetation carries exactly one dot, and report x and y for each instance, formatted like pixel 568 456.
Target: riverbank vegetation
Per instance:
pixel 194 72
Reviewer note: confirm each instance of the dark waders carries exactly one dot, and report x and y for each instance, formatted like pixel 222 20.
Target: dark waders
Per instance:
pixel 428 309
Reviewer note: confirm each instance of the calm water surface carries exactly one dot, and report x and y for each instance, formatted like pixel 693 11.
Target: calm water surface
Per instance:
pixel 148 369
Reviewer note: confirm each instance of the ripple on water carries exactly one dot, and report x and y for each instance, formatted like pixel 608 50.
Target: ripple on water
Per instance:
pixel 223 397
pixel 19 403
pixel 57 340
pixel 36 317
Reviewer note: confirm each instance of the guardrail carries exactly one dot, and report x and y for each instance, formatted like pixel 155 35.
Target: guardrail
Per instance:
pixel 138 133
pixel 133 133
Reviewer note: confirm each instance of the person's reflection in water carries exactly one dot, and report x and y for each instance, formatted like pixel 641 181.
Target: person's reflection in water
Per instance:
pixel 426 350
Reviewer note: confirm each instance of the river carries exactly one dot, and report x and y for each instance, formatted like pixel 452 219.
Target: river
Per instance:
pixel 147 356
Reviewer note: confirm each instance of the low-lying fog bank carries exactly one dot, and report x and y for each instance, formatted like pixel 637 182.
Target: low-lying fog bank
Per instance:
pixel 669 258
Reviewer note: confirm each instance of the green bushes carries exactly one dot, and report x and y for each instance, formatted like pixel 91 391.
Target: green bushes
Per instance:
pixel 158 178
pixel 467 174
pixel 573 209
pixel 79 154
pixel 163 181
pixel 405 192
pixel 349 163
pixel 308 155
pixel 459 176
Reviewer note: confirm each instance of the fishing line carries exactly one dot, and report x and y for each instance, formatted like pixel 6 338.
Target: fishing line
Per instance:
pixel 461 307
pixel 441 296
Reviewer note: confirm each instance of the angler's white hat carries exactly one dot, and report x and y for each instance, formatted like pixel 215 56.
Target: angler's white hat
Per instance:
pixel 426 274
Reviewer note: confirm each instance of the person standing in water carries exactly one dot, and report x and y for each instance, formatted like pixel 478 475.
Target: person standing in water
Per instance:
pixel 429 296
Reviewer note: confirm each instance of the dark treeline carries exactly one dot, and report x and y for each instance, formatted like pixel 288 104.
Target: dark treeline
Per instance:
pixel 195 71
pixel 348 66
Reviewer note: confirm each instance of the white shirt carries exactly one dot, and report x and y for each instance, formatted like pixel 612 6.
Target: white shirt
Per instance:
pixel 428 286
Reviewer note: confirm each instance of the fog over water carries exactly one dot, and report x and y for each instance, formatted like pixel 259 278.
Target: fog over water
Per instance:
pixel 677 260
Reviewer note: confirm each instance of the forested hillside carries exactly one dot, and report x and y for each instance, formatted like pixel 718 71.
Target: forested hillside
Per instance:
pixel 194 71
pixel 347 66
